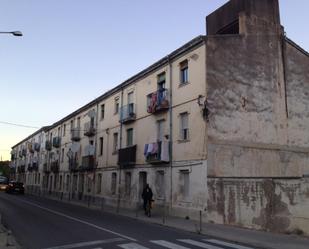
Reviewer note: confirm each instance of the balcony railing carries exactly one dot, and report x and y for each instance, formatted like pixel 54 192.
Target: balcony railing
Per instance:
pixel 37 147
pixel 56 142
pixel 75 134
pixel 73 164
pixel 31 148
pixel 35 166
pixel 157 101
pixel 89 129
pixel 127 156
pixel 88 163
pixel 29 168
pixel 48 145
pixel 156 153
pixel 127 113
pixel 46 168
pixel 24 152
pixel 54 166
pixel 21 169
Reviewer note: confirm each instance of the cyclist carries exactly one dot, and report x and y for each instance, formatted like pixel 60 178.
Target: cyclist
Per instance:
pixel 147 197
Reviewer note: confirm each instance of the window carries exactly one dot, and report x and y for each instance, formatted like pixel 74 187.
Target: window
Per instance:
pixel 63 131
pixel 160 183
pixel 184 77
pixel 160 129
pixel 101 146
pixel 59 131
pixel 184 184
pixel 115 144
pixel 67 183
pixel 71 124
pixel 116 106
pixel 60 184
pixel 184 126
pixel 78 123
pixel 62 155
pixel 102 111
pixel 161 80
pixel 129 137
pixel 130 98
pixel 99 183
pixel 114 183
pixel 127 183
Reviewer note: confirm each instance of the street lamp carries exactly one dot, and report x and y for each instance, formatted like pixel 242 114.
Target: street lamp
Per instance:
pixel 15 33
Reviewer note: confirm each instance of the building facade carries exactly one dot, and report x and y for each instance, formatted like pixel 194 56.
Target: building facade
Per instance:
pixel 218 127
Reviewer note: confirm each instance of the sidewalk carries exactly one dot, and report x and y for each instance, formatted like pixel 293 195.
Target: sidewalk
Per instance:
pixel 252 238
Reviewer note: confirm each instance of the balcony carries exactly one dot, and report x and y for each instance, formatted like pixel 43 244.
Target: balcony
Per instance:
pixel 54 166
pixel 157 101
pixel 89 129
pixel 35 166
pixel 127 156
pixel 48 145
pixel 57 142
pixel 24 152
pixel 29 168
pixel 127 113
pixel 21 169
pixel 75 134
pixel 157 153
pixel 46 168
pixel 73 164
pixel 31 148
pixel 88 163
pixel 37 147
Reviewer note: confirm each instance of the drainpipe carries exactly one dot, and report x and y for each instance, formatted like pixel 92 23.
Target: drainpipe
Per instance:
pixel 95 147
pixel 120 146
pixel 171 131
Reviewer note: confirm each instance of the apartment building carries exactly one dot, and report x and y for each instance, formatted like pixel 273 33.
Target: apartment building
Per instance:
pixel 218 127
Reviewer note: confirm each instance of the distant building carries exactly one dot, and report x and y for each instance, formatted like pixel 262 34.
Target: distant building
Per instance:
pixel 220 125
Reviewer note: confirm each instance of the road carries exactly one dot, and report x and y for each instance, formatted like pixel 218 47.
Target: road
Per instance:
pixel 39 223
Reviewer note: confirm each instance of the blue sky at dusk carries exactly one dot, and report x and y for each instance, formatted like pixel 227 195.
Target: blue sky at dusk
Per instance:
pixel 73 51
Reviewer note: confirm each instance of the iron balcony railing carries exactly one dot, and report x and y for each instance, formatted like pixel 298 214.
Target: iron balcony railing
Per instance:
pixel 54 166
pixel 75 134
pixel 48 145
pixel 89 129
pixel 56 142
pixel 127 156
pixel 88 163
pixel 127 113
pixel 157 152
pixel 158 101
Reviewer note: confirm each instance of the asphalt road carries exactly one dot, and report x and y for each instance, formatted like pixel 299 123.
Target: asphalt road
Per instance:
pixel 39 223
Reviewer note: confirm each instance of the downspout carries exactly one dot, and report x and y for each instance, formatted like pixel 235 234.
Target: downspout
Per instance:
pixel 171 132
pixel 120 146
pixel 95 148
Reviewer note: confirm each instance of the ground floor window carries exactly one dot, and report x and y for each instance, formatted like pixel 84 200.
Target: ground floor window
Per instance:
pixel 114 183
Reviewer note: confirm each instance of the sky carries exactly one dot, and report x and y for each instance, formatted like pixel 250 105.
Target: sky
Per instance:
pixel 73 51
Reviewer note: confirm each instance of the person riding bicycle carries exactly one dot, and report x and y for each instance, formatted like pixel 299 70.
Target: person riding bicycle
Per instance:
pixel 147 197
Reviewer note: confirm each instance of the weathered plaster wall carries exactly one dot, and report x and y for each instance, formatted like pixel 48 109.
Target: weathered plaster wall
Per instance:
pixel 279 205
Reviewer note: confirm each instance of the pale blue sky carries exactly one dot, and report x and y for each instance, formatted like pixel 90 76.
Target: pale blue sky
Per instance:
pixel 72 51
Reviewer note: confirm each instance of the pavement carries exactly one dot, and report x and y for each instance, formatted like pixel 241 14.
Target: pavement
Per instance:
pixel 123 222
pixel 7 241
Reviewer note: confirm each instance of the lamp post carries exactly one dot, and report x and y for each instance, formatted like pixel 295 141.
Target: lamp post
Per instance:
pixel 15 33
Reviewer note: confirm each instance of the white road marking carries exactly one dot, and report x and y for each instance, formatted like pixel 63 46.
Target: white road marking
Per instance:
pixel 199 244
pixel 89 243
pixel 227 244
pixel 168 244
pixel 132 246
pixel 79 220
